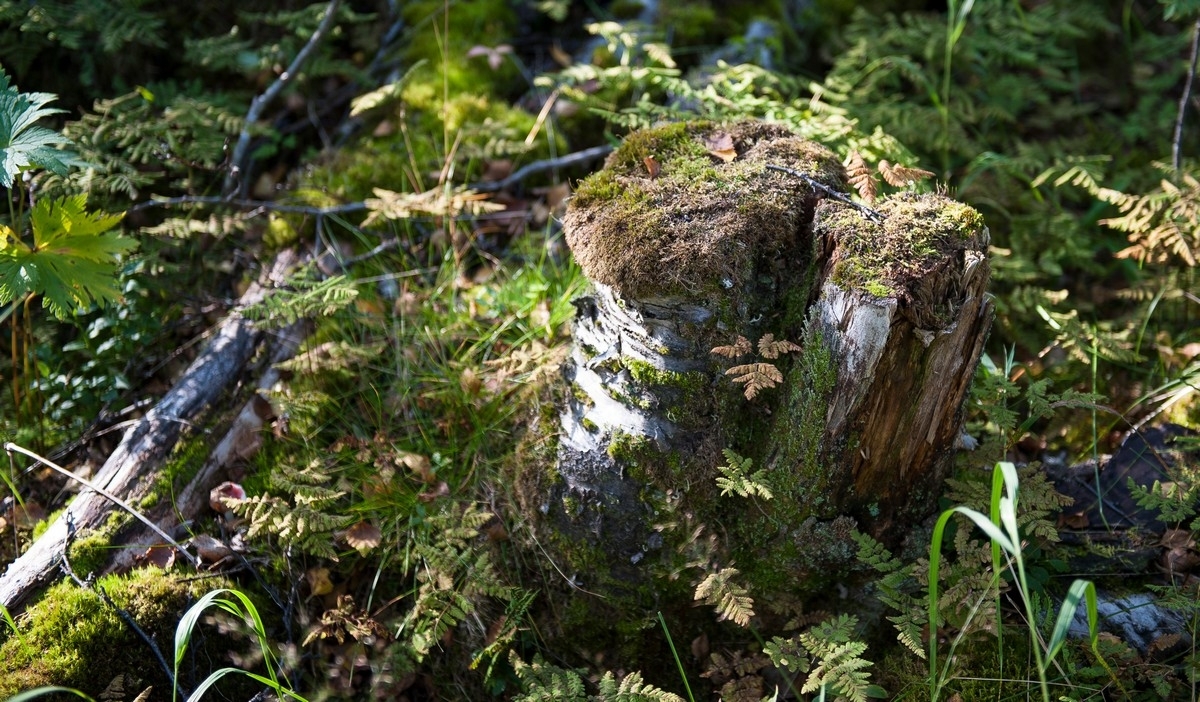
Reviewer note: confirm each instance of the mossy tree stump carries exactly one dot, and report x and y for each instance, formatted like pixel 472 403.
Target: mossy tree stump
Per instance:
pixel 692 242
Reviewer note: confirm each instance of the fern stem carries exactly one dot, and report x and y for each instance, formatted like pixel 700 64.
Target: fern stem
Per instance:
pixel 1176 156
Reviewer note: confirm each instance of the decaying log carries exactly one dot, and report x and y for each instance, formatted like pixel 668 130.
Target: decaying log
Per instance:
pixel 241 441
pixel 704 262
pixel 130 470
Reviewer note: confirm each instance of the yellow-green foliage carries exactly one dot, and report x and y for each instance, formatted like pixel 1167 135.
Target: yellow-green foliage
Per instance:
pixel 70 637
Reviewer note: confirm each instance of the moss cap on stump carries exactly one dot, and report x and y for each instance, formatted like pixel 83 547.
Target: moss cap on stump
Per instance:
pixel 683 208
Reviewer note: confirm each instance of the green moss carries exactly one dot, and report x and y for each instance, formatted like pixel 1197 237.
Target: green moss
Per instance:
pixel 627 448
pixel 70 637
pixel 666 195
pixel 90 553
pixel 917 234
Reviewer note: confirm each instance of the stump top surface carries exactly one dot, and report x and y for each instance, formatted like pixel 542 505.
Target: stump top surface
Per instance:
pixel 688 208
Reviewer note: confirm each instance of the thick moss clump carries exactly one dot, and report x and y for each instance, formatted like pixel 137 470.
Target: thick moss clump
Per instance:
pixel 687 208
pixel 917 234
pixel 72 638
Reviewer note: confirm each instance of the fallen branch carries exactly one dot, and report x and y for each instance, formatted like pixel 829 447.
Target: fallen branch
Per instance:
pixel 260 103
pixel 130 470
pixel 577 158
pixel 489 186
pixel 829 192
pixel 9 446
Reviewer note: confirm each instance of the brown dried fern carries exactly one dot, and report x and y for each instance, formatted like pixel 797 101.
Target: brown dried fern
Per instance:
pixel 899 176
pixel 768 347
pixel 861 177
pixel 741 347
pixel 756 376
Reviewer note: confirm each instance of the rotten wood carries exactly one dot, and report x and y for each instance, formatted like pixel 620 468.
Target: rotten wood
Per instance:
pixel 850 424
pixel 129 470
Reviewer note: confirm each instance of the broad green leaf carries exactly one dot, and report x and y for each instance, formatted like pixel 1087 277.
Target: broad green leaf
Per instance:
pixel 72 262
pixel 24 145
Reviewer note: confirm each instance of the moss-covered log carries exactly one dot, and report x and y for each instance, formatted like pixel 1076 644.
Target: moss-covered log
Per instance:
pixel 739 313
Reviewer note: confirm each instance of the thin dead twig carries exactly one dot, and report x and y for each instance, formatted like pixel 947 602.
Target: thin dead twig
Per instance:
pixel 236 163
pixel 817 185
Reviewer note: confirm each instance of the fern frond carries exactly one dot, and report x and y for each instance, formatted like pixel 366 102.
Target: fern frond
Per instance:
pixel 304 296
pixel 543 682
pixel 730 599
pixel 735 477
pixel 899 176
pixel 632 688
pixel 769 348
pixel 756 377
pixel 741 347
pixel 861 177
pixel 787 654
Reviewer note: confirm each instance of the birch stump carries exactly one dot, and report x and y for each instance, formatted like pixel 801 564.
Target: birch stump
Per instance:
pixel 760 367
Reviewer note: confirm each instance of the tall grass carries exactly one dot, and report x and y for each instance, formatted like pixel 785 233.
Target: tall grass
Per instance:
pixel 1007 552
pixel 241 607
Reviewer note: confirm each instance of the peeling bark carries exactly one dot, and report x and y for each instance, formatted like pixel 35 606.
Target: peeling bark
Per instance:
pixel 889 315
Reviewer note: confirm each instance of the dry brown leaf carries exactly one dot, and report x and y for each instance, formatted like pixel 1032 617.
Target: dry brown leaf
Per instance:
pixel 417 464
pixel 442 490
pixel 900 176
pixel 768 347
pixel 756 376
pixel 741 347
pixel 720 145
pixel 469 381
pixel 161 555
pixel 363 537
pixel 221 497
pixel 319 582
pixel 1076 520
pixel 1177 538
pixel 861 177
pixel 210 549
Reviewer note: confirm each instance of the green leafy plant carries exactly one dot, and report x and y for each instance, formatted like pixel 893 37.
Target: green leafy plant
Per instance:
pixel 736 477
pixel 831 654
pixel 1004 533
pixel 544 682
pixel 59 251
pixel 71 261
pixel 238 605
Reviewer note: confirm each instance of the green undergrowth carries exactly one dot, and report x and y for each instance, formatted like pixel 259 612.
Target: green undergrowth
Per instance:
pixel 417 428
pixel 71 637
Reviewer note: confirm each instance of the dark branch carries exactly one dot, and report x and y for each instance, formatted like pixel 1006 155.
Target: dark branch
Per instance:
pixel 237 162
pixel 817 185
pixel 585 156
pixel 1176 157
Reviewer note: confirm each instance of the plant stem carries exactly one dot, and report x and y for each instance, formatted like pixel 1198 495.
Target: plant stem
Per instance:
pixel 1176 156
pixel 236 166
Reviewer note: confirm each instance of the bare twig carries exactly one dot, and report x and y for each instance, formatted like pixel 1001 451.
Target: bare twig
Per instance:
pixel 579 157
pixel 244 204
pixel 592 154
pixel 869 213
pixel 9 446
pixel 1176 156
pixel 237 165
